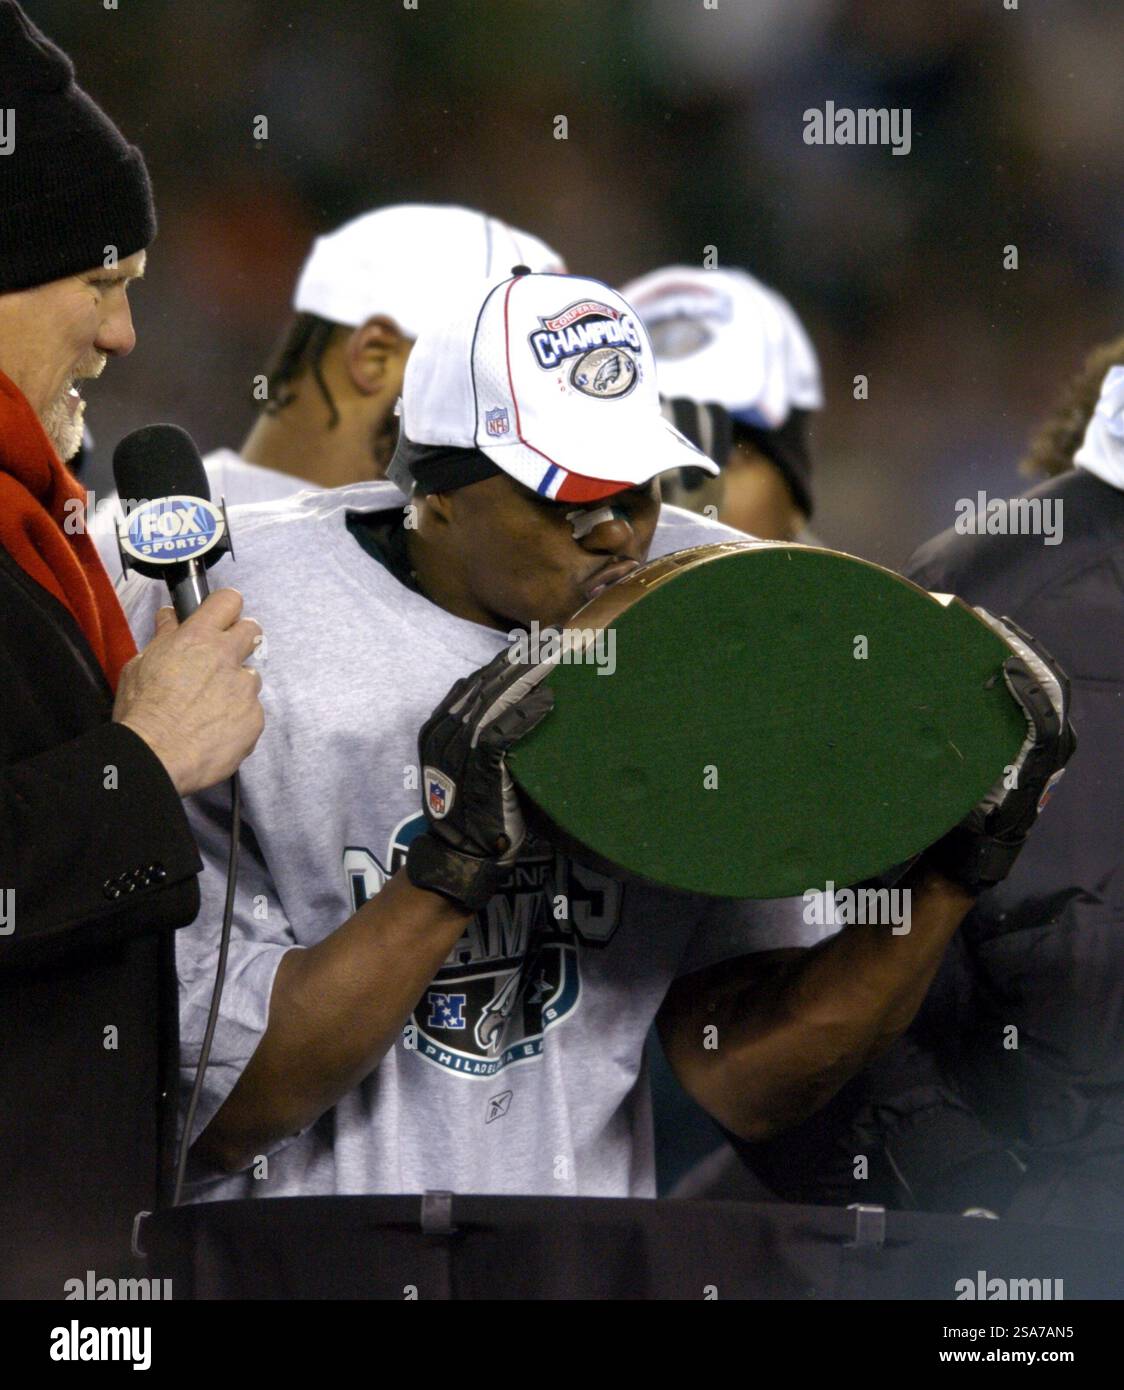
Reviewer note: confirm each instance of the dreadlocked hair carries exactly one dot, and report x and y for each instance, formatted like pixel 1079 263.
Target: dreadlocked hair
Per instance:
pixel 301 349
pixel 1059 436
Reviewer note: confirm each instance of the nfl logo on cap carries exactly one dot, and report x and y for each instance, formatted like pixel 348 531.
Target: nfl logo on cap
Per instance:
pixel 495 421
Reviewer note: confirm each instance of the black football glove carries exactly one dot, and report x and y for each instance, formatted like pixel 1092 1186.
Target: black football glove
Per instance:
pixel 475 824
pixel 980 851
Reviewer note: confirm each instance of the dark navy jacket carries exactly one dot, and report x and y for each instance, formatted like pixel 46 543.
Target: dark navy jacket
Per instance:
pixel 952 1117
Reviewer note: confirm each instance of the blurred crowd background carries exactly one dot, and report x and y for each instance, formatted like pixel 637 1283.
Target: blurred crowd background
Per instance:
pixel 685 131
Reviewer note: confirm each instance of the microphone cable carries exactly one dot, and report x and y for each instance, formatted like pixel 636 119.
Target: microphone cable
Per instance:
pixel 216 993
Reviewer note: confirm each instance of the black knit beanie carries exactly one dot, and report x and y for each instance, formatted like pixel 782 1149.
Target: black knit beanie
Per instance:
pixel 70 186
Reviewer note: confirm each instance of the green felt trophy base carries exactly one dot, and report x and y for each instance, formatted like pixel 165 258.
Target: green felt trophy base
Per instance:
pixel 778 717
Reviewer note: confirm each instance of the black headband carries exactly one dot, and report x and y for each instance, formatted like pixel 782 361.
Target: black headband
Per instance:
pixel 711 428
pixel 429 468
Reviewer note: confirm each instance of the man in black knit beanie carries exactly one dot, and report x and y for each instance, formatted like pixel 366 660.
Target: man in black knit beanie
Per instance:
pixel 75 201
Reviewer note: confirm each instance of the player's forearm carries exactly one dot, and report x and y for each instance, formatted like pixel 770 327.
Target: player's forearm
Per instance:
pixel 784 1052
pixel 335 1010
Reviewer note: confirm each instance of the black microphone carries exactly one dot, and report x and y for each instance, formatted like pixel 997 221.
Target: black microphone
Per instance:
pixel 172 530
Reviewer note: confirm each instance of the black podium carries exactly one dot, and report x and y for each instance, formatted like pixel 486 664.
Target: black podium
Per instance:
pixel 445 1246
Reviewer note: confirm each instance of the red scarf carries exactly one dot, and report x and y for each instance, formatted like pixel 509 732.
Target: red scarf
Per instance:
pixel 34 490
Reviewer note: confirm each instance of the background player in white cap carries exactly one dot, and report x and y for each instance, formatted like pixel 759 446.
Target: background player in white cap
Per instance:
pixel 419 994
pixel 739 376
pixel 364 294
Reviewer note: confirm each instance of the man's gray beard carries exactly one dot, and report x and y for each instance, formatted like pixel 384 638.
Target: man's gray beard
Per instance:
pixel 63 429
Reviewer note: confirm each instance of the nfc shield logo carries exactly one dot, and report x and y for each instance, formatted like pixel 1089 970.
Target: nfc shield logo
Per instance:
pixel 445 1010
pixel 170 530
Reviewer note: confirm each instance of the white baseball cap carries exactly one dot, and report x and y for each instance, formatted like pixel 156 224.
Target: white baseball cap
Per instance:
pixel 552 378
pixel 721 336
pixel 404 262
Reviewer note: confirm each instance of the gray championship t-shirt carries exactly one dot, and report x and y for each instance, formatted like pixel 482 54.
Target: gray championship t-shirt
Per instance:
pixel 522 1067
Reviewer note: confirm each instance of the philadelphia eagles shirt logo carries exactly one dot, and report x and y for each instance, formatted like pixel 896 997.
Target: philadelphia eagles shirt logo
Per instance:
pixel 514 974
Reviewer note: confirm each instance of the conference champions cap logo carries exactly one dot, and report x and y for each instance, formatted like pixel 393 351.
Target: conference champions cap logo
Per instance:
pixel 679 337
pixel 680 318
pixel 170 530
pixel 602 338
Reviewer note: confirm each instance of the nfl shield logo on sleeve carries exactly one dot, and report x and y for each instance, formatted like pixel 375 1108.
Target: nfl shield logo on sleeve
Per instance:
pixel 495 421
pixel 439 792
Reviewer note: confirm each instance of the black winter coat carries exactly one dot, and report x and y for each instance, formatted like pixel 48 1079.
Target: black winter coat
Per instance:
pixel 97 867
